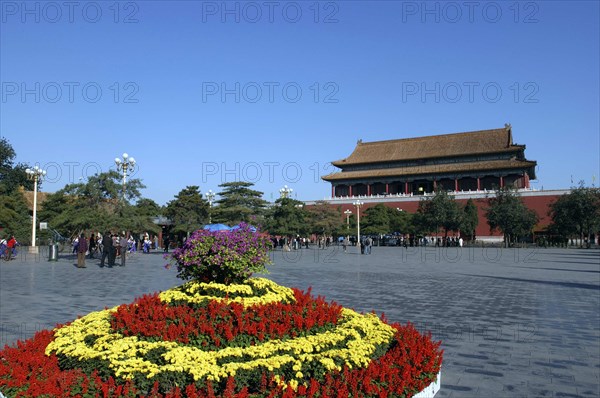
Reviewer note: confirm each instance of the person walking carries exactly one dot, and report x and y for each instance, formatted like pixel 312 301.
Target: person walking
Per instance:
pixel 123 243
pixel 92 245
pixel 166 242
pixel 81 249
pixel 106 249
pixel 368 244
pixel 10 245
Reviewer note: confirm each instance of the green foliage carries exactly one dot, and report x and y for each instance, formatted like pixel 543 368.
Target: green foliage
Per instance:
pixel 12 176
pixel 470 219
pixel 576 213
pixel 222 256
pixel 439 211
pixel 96 205
pixel 401 221
pixel 14 216
pixel 376 220
pixel 325 219
pixel 188 211
pixel 507 213
pixel 239 203
pixel 286 217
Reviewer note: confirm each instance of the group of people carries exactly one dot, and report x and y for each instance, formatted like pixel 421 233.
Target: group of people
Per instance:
pixel 8 247
pixel 110 246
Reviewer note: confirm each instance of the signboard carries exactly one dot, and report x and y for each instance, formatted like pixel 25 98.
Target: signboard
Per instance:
pixel 43 225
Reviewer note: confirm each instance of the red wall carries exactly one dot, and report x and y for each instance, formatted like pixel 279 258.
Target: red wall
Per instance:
pixel 540 204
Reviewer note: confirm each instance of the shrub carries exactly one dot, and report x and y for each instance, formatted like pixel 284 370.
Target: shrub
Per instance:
pixel 222 256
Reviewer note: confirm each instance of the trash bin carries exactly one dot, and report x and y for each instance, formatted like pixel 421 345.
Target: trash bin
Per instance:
pixel 53 252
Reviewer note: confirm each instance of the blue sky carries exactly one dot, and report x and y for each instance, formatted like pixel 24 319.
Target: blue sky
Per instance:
pixel 203 92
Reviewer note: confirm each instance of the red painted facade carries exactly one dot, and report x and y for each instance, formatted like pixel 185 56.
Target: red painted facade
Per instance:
pixel 539 201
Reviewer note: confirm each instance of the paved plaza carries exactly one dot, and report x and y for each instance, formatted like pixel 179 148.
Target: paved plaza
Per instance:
pixel 514 322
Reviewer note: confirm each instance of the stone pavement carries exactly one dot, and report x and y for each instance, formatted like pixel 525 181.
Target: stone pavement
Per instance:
pixel 514 322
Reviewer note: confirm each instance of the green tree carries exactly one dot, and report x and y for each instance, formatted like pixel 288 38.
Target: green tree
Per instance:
pixel 470 219
pixel 400 221
pixel 286 217
pixel 507 213
pixel 188 211
pixel 576 213
pixel 439 211
pixel 325 219
pixel 148 207
pixel 14 216
pixel 376 220
pixel 12 176
pixel 95 205
pixel 238 202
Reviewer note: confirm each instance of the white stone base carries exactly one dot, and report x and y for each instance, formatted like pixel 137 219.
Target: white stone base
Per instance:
pixel 431 389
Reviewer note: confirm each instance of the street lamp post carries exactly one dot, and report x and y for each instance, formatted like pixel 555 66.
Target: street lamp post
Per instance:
pixel 34 174
pixel 347 213
pixel 122 165
pixel 210 195
pixel 285 192
pixel 358 204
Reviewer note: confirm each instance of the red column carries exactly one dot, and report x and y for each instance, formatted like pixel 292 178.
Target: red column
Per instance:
pixel 434 185
pixel 332 191
pixel 349 190
pixel 387 188
pixel 478 184
pixel 456 184
pixel 526 180
pixel 368 189
pixel 501 182
pixel 406 187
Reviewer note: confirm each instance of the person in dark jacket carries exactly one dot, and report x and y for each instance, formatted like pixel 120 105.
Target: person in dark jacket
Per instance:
pixel 81 249
pixel 107 249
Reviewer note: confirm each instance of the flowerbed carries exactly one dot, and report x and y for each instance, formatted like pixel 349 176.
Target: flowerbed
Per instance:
pixel 255 339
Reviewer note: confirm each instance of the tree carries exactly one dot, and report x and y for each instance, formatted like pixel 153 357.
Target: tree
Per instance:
pixel 188 211
pixel 14 216
pixel 12 176
pixel 148 207
pixel 576 213
pixel 470 219
pixel 238 202
pixel 400 221
pixel 441 210
pixel 324 219
pixel 507 213
pixel 376 220
pixel 286 217
pixel 96 205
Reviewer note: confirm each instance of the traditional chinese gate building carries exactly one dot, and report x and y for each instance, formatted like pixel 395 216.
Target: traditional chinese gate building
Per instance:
pixel 472 161
pixel 470 165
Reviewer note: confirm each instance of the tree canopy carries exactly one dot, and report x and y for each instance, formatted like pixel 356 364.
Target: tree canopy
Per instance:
pixel 188 211
pixel 286 217
pixel 576 213
pixel 439 211
pixel 12 175
pixel 507 213
pixel 238 202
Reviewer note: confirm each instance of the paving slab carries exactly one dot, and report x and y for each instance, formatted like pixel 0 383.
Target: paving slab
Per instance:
pixel 513 322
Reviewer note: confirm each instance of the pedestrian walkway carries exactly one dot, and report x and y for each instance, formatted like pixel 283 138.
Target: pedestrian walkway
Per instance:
pixel 514 322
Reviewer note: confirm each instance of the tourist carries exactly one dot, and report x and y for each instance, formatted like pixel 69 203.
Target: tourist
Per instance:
pixel 81 249
pixel 106 249
pixel 92 245
pixel 368 244
pixel 166 243
pixel 10 246
pixel 123 243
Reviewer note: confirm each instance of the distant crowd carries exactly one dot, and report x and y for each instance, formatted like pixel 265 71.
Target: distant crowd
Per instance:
pixel 111 246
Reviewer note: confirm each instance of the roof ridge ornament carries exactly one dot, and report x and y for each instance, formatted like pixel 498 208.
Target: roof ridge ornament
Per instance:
pixel 508 129
pixel 359 141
